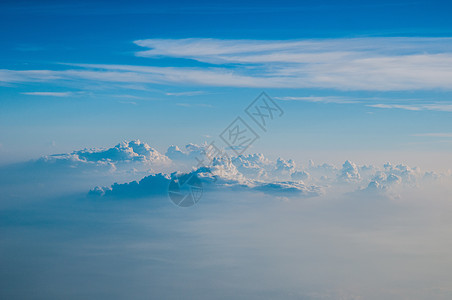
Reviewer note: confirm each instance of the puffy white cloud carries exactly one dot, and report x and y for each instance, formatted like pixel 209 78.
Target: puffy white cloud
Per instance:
pixel 125 161
pixel 212 179
pixel 407 173
pixel 190 153
pixel 284 166
pixel 224 169
pixel 349 172
pixel 125 151
pixel 156 184
pixel 383 181
pixel 122 153
pixel 254 166
pixel 221 174
pixel 253 171
pixel 391 176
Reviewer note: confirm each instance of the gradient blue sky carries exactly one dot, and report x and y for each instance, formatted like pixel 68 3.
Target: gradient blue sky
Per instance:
pixel 356 79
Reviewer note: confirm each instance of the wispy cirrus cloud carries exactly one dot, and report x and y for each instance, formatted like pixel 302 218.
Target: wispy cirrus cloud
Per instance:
pixel 290 51
pixel 321 99
pixel 373 64
pixel 51 94
pixel 139 74
pixel 447 107
pixel 348 64
pixel 194 105
pixel 384 103
pixel 189 93
pixel 435 134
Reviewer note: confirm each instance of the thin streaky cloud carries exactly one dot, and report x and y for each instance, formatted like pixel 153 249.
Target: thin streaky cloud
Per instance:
pixel 416 104
pixel 435 134
pixel 127 102
pixel 127 96
pixel 194 105
pixel 192 93
pixel 366 64
pixel 378 102
pixel 51 94
pixel 317 99
pixel 416 107
pixel 290 51
pixel 223 77
pixel 354 64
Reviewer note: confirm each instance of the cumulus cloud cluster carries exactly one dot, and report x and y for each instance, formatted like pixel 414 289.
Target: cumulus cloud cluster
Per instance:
pixel 79 169
pixel 189 153
pixel 141 170
pixel 133 155
pixel 394 175
pixel 255 172
pixel 222 174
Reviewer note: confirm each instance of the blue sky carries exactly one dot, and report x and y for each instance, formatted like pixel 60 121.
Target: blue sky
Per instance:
pixel 364 89
pixel 355 79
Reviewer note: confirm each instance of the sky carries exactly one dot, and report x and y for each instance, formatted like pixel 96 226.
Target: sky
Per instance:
pixel 359 77
pixel 336 121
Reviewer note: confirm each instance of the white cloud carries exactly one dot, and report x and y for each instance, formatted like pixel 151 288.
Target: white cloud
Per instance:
pixel 222 174
pixel 194 105
pixel 288 51
pixel 290 188
pixel 128 161
pixel 156 184
pixel 125 151
pixel 390 176
pixel 128 102
pixel 149 75
pixel 349 172
pixel 130 156
pixel 435 134
pixel 377 64
pixel 281 177
pixel 355 64
pixel 416 107
pixel 191 152
pixel 324 99
pixel 385 103
pixel 51 94
pixel 255 166
pixel 191 93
